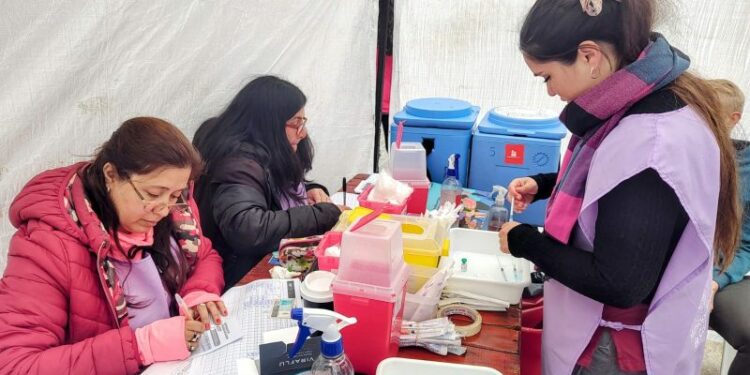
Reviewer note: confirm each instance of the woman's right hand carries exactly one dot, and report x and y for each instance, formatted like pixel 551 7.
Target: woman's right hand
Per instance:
pixel 523 191
pixel 193 331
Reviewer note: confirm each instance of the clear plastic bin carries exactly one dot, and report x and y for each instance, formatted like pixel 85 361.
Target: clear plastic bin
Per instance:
pixel 484 275
pixel 418 275
pixel 408 162
pixel 419 308
pixel 372 254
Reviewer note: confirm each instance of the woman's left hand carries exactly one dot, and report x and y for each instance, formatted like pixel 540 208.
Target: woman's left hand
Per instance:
pixel 503 234
pixel 317 196
pixel 206 311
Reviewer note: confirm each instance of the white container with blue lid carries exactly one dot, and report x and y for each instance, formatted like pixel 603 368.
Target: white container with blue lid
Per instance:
pixel 442 113
pixel 520 121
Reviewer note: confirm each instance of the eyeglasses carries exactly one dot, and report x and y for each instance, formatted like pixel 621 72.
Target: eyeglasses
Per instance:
pixel 152 205
pixel 298 123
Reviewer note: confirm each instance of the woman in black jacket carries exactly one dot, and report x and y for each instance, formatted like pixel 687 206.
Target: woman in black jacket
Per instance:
pixel 253 192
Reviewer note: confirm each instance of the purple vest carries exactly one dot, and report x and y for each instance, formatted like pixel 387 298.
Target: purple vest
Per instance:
pixel 681 148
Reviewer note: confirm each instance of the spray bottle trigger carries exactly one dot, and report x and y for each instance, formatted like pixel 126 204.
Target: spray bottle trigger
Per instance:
pixel 302 336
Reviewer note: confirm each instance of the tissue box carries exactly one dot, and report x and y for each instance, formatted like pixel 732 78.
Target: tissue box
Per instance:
pixel 386 207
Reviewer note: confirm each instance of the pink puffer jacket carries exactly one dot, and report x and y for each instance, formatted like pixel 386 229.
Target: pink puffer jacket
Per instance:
pixel 61 305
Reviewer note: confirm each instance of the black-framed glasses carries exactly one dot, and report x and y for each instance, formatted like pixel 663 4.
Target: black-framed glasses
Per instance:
pixel 153 205
pixel 298 123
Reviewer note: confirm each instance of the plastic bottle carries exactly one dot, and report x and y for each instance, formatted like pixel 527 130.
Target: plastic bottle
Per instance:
pixel 332 360
pixel 451 187
pixel 498 214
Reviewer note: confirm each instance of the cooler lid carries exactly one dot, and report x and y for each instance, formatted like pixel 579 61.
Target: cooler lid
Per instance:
pixel 512 120
pixel 438 113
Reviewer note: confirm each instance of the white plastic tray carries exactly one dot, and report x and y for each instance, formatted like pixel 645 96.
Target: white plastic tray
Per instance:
pixel 405 366
pixel 484 261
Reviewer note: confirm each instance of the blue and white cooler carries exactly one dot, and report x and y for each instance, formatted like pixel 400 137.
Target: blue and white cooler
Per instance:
pixel 513 142
pixel 444 127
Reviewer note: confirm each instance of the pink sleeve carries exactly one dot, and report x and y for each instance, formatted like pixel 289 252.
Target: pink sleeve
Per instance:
pixel 162 340
pixel 197 297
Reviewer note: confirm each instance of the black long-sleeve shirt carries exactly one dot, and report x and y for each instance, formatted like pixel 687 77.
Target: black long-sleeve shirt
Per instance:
pixel 638 225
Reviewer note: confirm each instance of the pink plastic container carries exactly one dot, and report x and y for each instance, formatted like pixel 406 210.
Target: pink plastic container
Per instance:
pixel 328 263
pixel 387 207
pixel 371 286
pixel 373 254
pixel 417 202
pixel 379 312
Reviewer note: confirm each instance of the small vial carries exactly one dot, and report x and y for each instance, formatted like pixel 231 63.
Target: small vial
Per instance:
pixel 463 265
pixel 505 277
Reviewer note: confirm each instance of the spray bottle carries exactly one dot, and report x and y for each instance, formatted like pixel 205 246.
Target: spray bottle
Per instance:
pixel 332 360
pixel 451 188
pixel 498 214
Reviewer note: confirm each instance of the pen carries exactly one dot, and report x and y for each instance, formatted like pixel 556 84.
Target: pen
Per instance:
pixel 182 305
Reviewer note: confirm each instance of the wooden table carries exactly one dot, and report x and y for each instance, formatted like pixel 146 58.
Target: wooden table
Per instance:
pixel 495 346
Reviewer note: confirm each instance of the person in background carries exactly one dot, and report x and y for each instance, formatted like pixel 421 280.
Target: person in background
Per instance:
pixel 730 288
pixel 100 250
pixel 645 200
pixel 253 193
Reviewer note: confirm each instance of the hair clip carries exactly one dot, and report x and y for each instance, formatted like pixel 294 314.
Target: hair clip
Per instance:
pixel 593 7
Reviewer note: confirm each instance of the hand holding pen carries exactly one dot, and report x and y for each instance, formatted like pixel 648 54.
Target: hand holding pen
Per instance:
pixel 193 328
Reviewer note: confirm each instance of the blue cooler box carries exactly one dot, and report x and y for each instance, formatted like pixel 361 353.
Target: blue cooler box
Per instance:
pixel 513 142
pixel 444 127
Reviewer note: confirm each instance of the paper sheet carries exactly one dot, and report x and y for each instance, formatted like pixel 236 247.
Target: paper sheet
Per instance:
pixel 351 199
pixel 218 337
pixel 249 309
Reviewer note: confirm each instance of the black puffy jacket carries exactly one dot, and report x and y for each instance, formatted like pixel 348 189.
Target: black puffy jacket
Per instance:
pixel 242 215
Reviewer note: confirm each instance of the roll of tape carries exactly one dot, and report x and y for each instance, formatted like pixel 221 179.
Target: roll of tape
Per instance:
pixel 457 309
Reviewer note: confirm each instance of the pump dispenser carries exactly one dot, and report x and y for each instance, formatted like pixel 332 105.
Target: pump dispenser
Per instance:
pixel 451 187
pixel 498 214
pixel 332 360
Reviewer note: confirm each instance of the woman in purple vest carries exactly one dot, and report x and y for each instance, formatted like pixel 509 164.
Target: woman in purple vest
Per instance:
pixel 632 218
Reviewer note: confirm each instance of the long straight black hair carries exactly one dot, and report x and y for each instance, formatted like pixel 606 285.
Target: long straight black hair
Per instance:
pixel 257 116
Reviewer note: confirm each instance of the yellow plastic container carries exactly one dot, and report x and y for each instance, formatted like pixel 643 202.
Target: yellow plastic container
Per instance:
pixel 425 240
pixel 446 247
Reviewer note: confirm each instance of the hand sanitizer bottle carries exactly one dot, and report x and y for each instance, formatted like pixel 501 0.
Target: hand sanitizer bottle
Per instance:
pixel 498 214
pixel 451 187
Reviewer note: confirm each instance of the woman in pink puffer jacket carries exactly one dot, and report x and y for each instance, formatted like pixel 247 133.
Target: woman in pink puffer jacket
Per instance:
pixel 101 249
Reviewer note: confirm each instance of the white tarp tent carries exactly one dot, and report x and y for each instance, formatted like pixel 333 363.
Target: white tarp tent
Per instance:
pixel 72 71
pixel 468 49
